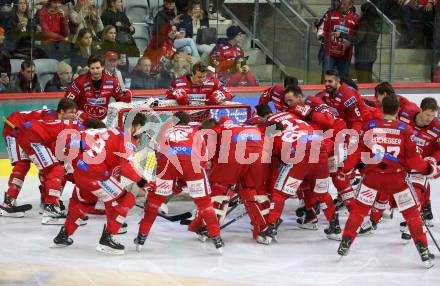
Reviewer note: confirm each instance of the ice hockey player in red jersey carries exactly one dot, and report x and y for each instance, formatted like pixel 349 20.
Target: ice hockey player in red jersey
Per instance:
pixel 38 138
pixel 105 155
pixel 238 162
pixel 426 128
pixel 275 94
pixel 388 152
pixel 199 86
pixel 309 161
pixel 19 159
pixel 93 90
pixel 384 89
pixel 181 153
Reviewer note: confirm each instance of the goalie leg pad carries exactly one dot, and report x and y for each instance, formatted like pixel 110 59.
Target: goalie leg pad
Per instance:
pixel 257 218
pixel 150 212
pixel 220 197
pixel 206 211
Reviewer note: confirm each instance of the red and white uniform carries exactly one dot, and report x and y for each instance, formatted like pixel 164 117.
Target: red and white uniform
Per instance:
pixel 19 159
pixel 183 90
pixel 427 139
pixel 391 151
pixel 180 157
pixel 95 102
pixel 288 119
pixel 105 155
pixel 338 22
pixel 276 95
pixel 295 148
pixel 239 161
pixel 38 138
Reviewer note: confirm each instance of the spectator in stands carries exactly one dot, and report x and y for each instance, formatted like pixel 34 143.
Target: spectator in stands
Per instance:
pixel 365 41
pixel 228 59
pixel 61 80
pixel 5 65
pixel 26 80
pixel 161 48
pixel 180 65
pixel 2 39
pixel 166 15
pixel 114 16
pixel 54 23
pixel 5 10
pixel 19 24
pixel 111 63
pixel 191 22
pixel 82 49
pixel 422 10
pixel 141 76
pixel 84 14
pixel 338 51
pixel 216 10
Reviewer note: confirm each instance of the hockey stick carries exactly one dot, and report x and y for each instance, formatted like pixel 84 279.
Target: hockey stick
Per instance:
pixel 21 208
pixel 411 187
pixel 9 123
pixel 172 218
pixel 233 220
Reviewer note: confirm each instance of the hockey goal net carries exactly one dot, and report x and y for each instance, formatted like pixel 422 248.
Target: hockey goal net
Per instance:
pixel 158 111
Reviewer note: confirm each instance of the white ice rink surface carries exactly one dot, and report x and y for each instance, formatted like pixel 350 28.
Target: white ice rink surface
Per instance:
pixel 173 256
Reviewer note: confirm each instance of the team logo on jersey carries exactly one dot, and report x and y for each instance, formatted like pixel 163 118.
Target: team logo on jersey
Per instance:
pixel 436 129
pixel 372 124
pixel 401 126
pixel 107 86
pixel 95 110
pixel 419 141
pixel 350 101
pixel 404 113
pixel 99 100
pixel 109 82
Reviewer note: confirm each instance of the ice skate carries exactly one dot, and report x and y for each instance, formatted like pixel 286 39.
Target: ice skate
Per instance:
pixel 62 239
pixel 123 228
pixel 425 255
pixel 427 215
pixel 309 221
pixel 52 215
pixel 202 235
pixel 344 246
pixel 406 236
pixel 340 206
pixel 139 241
pixel 107 244
pixel 266 236
pixel 218 243
pixel 10 209
pixel 333 231
pixel 367 227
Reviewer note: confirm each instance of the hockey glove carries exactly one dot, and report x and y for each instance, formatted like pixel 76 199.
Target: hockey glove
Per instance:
pixel 434 171
pixel 181 96
pixel 147 186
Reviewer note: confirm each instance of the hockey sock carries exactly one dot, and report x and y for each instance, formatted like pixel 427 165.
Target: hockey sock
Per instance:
pixel 257 218
pixel 326 202
pixel 426 195
pixel 355 219
pixel 309 199
pixel 415 224
pixel 53 182
pixel 345 190
pixel 197 224
pixel 150 212
pixel 278 200
pixel 74 218
pixel 119 211
pixel 379 206
pixel 16 178
pixel 207 212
